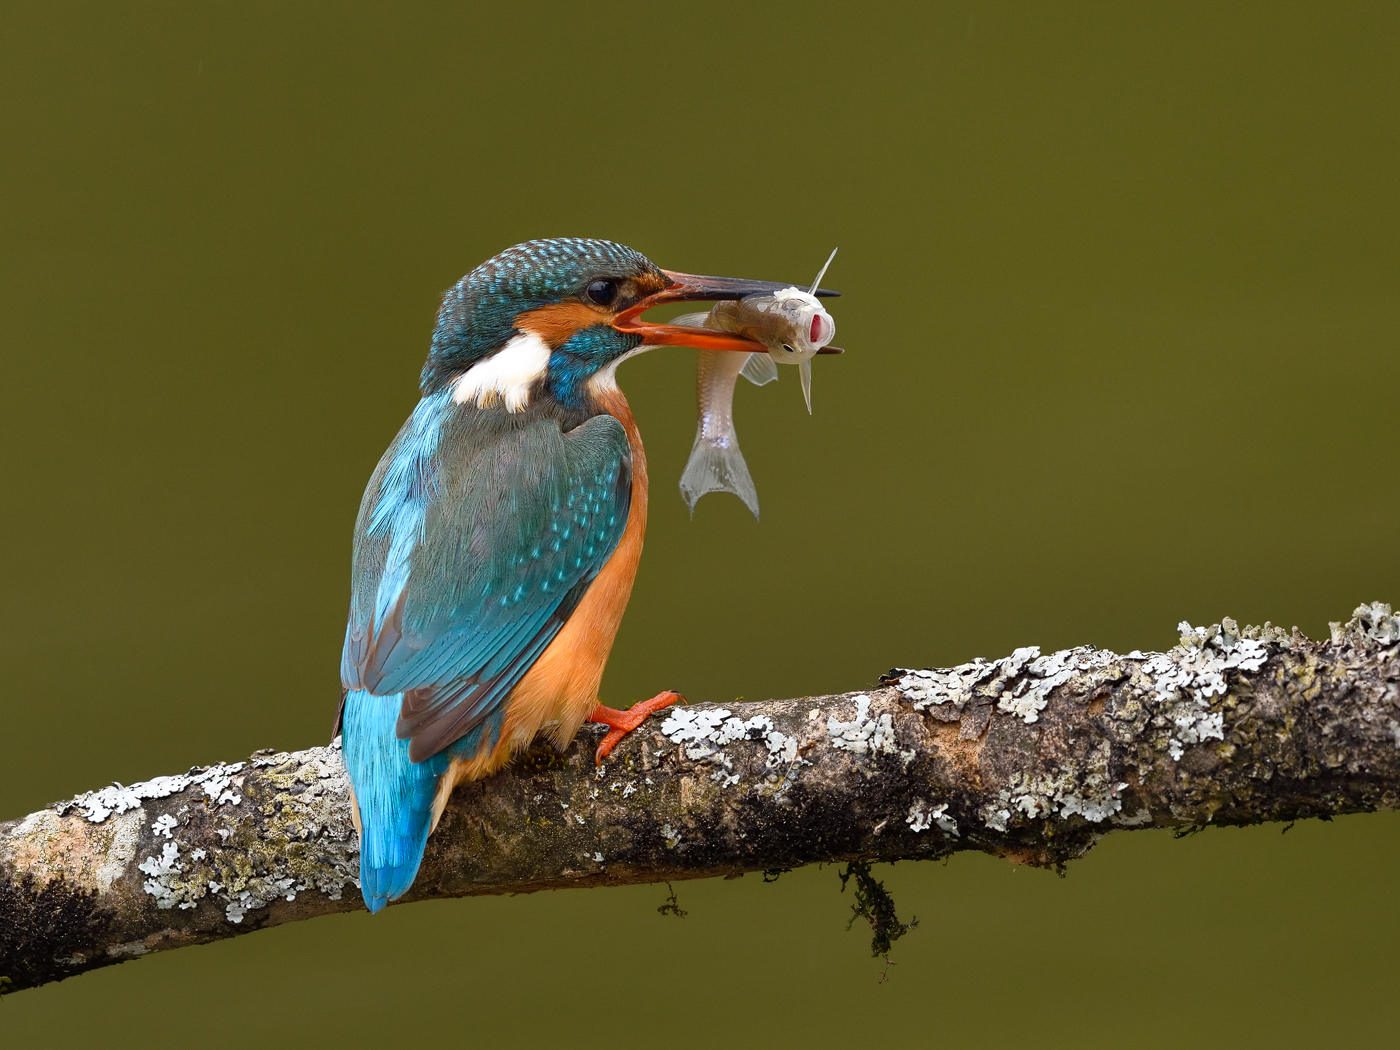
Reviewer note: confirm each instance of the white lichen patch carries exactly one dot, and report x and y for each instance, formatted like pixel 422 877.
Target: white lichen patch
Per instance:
pixel 300 837
pixel 1196 668
pixel 1372 622
pixel 1043 674
pixel 685 724
pixel 1073 789
pixel 944 686
pixel 163 824
pixel 163 883
pixel 1046 673
pixel 917 818
pixel 863 734
pixel 922 816
pixel 1021 683
pixel 1187 679
pixel 1185 682
pixel 217 782
pixel 703 734
pixel 995 813
pixel 261 894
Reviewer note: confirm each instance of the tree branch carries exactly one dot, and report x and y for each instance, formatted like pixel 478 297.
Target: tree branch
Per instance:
pixel 1030 757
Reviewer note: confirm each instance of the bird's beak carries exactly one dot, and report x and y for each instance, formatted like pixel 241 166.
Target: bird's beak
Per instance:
pixel 687 287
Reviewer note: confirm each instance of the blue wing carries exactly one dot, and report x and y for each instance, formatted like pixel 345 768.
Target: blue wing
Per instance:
pixel 478 535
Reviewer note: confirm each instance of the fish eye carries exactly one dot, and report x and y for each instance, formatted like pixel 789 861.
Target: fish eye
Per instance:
pixel 789 349
pixel 603 291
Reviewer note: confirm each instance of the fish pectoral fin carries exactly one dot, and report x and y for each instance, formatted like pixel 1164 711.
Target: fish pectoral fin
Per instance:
pixel 715 468
pixel 760 369
pixel 804 371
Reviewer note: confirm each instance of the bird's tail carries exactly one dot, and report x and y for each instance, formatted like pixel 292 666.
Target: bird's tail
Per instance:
pixel 394 796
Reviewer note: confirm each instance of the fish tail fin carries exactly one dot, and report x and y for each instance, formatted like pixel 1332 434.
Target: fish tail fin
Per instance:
pixel 394 796
pixel 717 468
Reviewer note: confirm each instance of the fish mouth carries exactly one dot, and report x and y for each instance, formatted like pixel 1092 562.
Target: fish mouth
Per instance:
pixel 689 287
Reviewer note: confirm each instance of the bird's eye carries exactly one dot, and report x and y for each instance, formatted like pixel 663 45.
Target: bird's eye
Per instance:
pixel 603 292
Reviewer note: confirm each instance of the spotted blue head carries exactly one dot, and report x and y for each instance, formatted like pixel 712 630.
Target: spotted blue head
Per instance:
pixel 556 316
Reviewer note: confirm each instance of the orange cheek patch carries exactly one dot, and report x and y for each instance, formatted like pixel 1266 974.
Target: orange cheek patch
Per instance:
pixel 557 322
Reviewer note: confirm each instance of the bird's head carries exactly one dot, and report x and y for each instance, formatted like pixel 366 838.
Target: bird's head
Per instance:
pixel 559 315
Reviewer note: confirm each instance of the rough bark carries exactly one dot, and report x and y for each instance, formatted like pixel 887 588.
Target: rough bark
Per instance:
pixel 1029 757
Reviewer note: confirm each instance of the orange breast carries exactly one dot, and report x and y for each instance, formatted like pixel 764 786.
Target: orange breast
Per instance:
pixel 557 693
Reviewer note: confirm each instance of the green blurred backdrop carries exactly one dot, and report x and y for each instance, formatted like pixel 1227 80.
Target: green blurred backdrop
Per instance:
pixel 1122 317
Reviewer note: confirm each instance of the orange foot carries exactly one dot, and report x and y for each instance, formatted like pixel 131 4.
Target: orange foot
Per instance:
pixel 623 722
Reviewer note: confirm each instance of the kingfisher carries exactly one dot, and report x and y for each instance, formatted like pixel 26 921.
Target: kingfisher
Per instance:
pixel 499 536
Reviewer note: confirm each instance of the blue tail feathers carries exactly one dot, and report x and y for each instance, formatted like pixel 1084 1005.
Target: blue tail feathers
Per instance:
pixel 395 796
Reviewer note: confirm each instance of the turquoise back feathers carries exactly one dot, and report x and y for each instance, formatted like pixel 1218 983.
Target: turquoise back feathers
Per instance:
pixel 478 534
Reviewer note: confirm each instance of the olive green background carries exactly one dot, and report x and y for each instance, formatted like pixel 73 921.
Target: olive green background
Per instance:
pixel 1122 318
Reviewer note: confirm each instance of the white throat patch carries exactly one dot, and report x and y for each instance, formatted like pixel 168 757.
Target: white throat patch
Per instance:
pixel 509 374
pixel 604 381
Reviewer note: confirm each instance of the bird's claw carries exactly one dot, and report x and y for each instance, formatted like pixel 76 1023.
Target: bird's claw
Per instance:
pixel 620 723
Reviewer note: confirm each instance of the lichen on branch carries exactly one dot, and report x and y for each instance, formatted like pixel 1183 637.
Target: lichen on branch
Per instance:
pixel 1032 757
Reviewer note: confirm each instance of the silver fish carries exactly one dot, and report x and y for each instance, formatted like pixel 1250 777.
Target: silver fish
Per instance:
pixel 794 326
pixel 716 464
